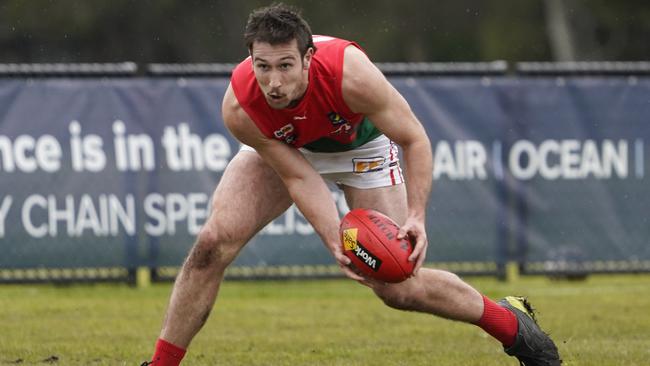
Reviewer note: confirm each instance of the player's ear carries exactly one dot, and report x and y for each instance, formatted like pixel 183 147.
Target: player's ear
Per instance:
pixel 306 60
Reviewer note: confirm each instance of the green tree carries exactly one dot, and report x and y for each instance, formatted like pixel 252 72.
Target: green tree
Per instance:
pixel 409 30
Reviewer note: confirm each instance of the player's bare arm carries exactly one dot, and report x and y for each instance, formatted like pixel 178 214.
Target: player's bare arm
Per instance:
pixel 306 187
pixel 366 90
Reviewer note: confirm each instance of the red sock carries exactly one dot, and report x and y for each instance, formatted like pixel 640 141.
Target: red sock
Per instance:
pixel 167 354
pixel 498 322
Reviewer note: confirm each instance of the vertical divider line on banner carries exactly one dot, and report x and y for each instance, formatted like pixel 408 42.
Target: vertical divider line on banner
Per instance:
pixel 153 241
pixel 509 263
pixel 518 188
pixel 502 218
pixel 131 257
pixel 149 264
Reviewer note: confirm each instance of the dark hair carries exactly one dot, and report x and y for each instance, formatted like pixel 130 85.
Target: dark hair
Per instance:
pixel 278 24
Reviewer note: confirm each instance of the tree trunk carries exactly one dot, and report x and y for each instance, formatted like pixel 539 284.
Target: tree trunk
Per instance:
pixel 558 31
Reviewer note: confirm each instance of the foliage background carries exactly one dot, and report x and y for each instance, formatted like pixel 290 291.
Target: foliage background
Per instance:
pixel 409 30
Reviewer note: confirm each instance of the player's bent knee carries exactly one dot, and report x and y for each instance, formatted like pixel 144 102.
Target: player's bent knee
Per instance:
pixel 213 248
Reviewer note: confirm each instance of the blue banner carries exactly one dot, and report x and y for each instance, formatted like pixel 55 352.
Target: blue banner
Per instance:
pixel 119 172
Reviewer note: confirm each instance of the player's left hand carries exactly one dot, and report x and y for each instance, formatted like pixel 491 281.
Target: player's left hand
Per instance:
pixel 414 229
pixel 344 262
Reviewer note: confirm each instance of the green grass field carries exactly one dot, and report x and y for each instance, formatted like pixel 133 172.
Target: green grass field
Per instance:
pixel 602 321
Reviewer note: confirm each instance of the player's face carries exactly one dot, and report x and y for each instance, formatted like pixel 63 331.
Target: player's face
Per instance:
pixel 280 72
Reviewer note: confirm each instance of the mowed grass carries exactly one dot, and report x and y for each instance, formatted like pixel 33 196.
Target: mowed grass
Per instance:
pixel 602 321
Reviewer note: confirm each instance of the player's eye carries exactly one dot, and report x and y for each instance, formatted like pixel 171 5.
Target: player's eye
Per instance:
pixel 262 67
pixel 285 66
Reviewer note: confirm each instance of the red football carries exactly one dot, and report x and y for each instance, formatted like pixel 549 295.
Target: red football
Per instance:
pixel 369 239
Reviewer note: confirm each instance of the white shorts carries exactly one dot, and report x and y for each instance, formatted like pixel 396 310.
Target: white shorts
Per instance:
pixel 372 165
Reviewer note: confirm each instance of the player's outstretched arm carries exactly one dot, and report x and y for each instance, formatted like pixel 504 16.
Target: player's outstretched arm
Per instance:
pixel 366 90
pixel 306 187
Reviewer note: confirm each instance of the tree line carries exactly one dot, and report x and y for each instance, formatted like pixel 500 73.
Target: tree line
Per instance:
pixel 174 31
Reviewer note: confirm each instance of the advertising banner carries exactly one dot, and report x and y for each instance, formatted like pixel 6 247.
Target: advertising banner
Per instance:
pixel 119 172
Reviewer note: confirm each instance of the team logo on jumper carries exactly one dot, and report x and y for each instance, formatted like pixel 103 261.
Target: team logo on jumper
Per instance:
pixel 286 133
pixel 340 124
pixel 367 258
pixel 366 165
pixel 336 118
pixel 350 238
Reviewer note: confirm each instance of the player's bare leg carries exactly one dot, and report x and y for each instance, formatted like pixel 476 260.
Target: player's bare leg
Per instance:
pixel 433 291
pixel 249 195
